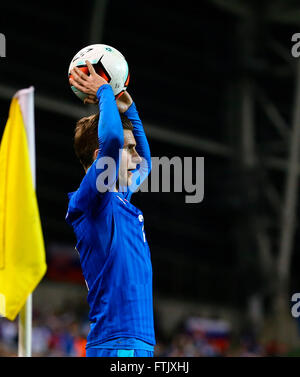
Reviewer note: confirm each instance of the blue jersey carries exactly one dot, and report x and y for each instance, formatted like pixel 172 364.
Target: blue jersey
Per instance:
pixel 114 253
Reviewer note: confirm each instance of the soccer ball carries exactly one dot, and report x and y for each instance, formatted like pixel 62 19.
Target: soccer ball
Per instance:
pixel 108 63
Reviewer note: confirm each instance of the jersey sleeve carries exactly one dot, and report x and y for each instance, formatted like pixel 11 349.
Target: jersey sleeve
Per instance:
pixel 103 173
pixel 143 149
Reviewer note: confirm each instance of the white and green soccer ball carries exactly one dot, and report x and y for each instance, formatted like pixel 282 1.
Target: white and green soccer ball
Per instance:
pixel 108 63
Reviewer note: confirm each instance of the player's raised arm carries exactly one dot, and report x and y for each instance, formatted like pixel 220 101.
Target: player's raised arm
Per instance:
pixel 110 131
pixel 127 106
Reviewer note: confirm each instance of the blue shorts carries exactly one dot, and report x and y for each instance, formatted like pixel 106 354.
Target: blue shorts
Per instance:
pixel 106 352
pixel 121 347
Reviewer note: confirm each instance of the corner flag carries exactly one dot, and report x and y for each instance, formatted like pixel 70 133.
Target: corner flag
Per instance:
pixel 22 252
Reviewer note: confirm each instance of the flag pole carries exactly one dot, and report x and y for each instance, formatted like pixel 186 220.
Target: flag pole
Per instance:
pixel 26 100
pixel 25 329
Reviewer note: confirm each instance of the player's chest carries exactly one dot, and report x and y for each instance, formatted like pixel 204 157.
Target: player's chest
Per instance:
pixel 129 221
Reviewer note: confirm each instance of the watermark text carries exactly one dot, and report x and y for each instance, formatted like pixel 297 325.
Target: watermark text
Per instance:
pixel 295 51
pixel 2 46
pixel 174 174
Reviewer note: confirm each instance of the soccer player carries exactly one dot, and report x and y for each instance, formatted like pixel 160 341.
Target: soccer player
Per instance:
pixel 114 253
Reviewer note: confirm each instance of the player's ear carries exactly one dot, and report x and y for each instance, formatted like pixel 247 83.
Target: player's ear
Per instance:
pixel 95 154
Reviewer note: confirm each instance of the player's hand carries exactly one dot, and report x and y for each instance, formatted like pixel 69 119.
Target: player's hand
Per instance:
pixel 124 102
pixel 87 84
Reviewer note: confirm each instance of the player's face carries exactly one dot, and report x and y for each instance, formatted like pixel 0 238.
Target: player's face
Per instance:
pixel 130 158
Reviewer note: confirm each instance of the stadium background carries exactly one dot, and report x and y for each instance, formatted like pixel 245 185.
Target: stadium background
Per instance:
pixel 215 80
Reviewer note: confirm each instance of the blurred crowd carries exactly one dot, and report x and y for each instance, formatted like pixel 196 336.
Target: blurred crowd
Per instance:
pixel 199 337
pixel 53 335
pixel 64 335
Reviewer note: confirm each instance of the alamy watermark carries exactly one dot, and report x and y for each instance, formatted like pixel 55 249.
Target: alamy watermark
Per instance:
pixel 295 310
pixel 295 51
pixel 2 46
pixel 174 174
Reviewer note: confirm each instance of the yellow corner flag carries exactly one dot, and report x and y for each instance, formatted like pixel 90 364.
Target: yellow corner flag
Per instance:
pixel 22 251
